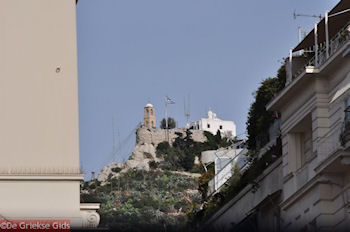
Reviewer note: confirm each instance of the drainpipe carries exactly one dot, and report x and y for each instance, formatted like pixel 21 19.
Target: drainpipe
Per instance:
pixel 299 39
pixel 316 46
pixel 290 71
pixel 327 34
pixel 290 59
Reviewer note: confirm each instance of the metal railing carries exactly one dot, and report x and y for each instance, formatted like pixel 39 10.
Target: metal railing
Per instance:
pixel 334 45
pixel 225 173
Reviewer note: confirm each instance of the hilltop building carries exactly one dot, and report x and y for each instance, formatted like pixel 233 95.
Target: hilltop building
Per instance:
pixel 213 124
pixel 149 118
pixel 39 138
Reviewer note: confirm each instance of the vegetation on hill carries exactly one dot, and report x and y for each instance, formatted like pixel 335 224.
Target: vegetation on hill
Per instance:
pixel 160 199
pixel 139 200
pixel 182 153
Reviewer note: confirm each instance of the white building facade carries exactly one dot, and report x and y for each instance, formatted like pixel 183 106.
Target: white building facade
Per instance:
pixel 308 188
pixel 214 124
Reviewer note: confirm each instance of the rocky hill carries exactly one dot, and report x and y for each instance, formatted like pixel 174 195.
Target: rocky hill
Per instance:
pixel 157 187
pixel 144 152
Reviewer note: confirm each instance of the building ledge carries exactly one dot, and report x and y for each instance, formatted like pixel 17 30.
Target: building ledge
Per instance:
pixel 90 206
pixel 276 102
pixel 57 177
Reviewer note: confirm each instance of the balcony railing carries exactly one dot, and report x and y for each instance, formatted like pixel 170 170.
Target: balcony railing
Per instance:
pixel 334 45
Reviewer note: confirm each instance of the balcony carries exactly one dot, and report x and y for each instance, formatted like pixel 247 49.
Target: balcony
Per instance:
pixel 309 60
pixel 333 150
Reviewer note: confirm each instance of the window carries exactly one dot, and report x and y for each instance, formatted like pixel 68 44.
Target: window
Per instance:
pixel 151 111
pixel 152 122
pixel 347 110
pixel 220 127
pixel 147 111
pixel 208 125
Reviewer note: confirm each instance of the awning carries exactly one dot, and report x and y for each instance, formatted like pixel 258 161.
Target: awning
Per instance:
pixel 335 24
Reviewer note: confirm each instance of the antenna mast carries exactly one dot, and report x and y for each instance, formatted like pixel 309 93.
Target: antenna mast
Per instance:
pixel 119 145
pixel 295 15
pixel 187 110
pixel 300 31
pixel 114 152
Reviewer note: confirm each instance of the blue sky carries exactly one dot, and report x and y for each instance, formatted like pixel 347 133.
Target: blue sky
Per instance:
pixel 217 51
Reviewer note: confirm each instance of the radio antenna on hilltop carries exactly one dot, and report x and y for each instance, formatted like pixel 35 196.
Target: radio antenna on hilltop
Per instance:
pixel 114 152
pixel 295 15
pixel 187 109
pixel 119 146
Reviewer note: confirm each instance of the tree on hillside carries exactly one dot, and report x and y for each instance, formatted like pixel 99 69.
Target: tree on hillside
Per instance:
pixel 171 123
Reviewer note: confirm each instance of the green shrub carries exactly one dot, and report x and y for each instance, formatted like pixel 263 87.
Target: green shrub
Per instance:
pixel 162 149
pixel 116 169
pixel 153 164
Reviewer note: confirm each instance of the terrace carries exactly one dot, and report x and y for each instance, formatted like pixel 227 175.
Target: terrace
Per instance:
pixel 317 55
pixel 326 43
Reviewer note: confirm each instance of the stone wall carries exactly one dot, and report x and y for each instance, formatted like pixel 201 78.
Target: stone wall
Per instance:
pixel 156 136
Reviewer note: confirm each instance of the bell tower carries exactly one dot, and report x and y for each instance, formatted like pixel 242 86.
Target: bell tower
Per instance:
pixel 149 119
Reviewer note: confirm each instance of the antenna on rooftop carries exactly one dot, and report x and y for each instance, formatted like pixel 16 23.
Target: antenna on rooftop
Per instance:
pixel 187 109
pixel 295 15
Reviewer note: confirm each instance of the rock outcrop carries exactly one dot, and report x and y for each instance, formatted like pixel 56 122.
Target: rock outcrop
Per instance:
pixel 142 154
pixel 109 171
pixel 147 141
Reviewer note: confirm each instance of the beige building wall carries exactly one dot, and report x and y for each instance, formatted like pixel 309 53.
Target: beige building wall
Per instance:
pixel 38 86
pixel 39 132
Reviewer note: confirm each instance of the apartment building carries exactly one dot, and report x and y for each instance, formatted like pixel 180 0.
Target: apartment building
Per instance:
pixel 308 188
pixel 314 127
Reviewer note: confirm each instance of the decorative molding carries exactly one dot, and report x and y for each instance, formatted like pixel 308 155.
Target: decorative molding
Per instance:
pixel 11 177
pixel 90 217
pixel 40 170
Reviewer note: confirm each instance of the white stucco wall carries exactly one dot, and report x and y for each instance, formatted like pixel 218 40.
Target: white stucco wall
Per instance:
pixel 213 124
